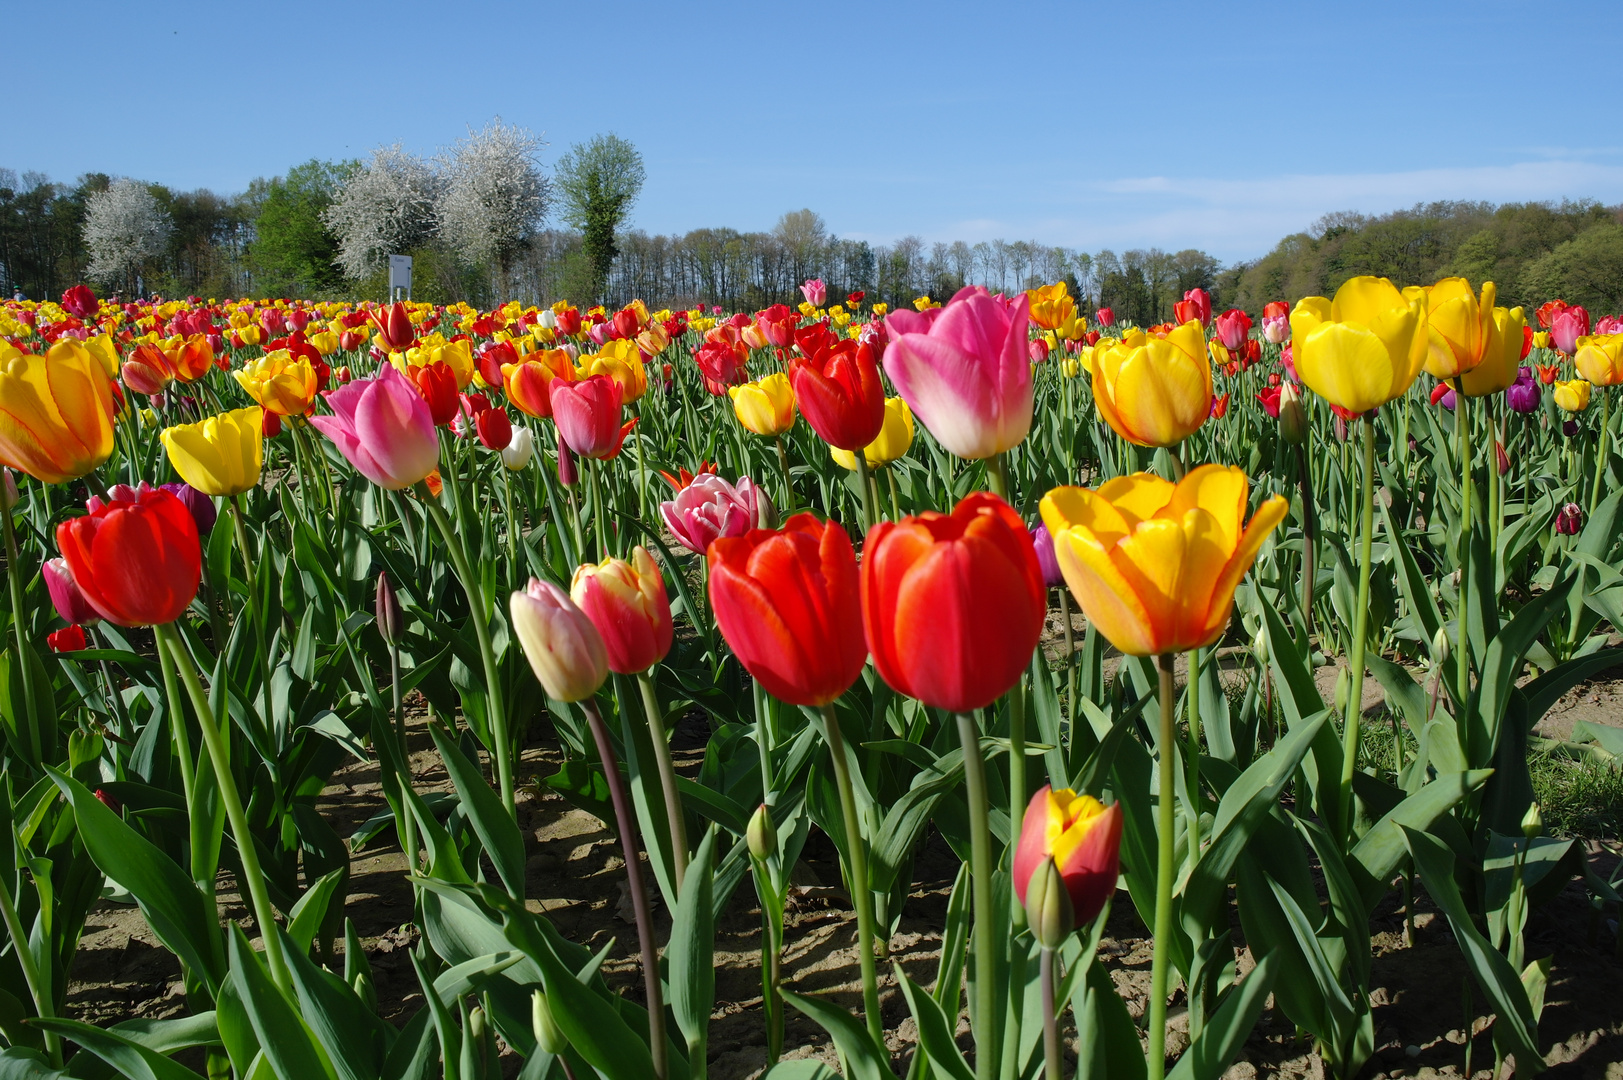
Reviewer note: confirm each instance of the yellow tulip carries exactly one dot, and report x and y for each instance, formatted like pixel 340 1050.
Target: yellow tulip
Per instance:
pixel 1541 339
pixel 1460 327
pixel 281 384
pixel 621 361
pixel 1363 348
pixel 221 455
pixel 456 355
pixel 1572 396
pixel 767 406
pixel 56 412
pixel 894 440
pixel 1155 564
pixel 1051 306
pixel 1154 391
pixel 1502 358
pixel 103 349
pixel 325 343
pixel 1600 359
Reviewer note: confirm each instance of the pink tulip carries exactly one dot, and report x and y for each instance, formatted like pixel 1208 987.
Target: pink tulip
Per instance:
pixel 1106 317
pixel 1233 329
pixel 965 371
pixel 1038 350
pixel 1607 325
pixel 814 291
pixel 383 426
pixel 710 508
pixel 1567 327
pixel 588 415
pixel 1276 329
pixel 70 603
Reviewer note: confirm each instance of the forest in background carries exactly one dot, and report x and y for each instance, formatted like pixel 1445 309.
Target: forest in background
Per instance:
pixel 274 240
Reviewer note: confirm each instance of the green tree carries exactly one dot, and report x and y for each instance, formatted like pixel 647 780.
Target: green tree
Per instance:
pixel 293 251
pixel 1587 270
pixel 597 182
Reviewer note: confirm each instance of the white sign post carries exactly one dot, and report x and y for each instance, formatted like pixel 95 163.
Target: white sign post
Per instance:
pixel 399 276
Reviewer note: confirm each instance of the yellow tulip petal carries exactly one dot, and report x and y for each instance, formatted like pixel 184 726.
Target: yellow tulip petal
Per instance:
pixel 1137 496
pixel 1108 600
pixel 1263 522
pixel 1065 507
pixel 1150 561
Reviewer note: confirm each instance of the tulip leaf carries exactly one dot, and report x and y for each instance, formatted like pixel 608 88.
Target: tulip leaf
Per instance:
pixel 490 820
pixel 1498 980
pixel 1379 851
pixel 691 949
pixel 129 1057
pixel 935 1030
pixel 1106 1034
pixel 865 1060
pixel 803 1069
pixel 592 1025
pixel 1224 1035
pixel 350 1033
pixel 286 1042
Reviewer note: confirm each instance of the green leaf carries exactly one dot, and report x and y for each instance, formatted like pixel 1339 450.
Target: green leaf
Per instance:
pixel 167 897
pixel 1224 1035
pixel 349 1032
pixel 1379 851
pixel 307 914
pixel 126 1055
pixel 1503 662
pixel 592 1025
pixel 1497 979
pixel 793 1070
pixel 865 1060
pixel 692 948
pixel 495 826
pixel 935 1030
pixel 284 1039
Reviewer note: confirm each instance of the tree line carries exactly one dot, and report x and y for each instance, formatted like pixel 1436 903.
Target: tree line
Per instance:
pixel 485 223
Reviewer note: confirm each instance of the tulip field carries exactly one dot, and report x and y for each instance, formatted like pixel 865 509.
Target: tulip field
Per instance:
pixel 1164 682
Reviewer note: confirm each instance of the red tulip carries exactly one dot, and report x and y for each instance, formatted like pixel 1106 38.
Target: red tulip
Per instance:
pixel 627 603
pixel 625 323
pixel 394 327
pixel 953 605
pixel 777 324
pixel 1220 406
pixel 491 361
pixel 136 559
pixel 1106 317
pixel 1548 310
pixel 1233 329
pixel 1196 304
pixel 495 428
pixel 436 382
pixel 569 321
pixel 1270 400
pixel 839 392
pixel 80 302
pixel 788 603
pixel 722 365
pixel 68 639
pixel 588 416
pixel 1083 837
pixel 1274 309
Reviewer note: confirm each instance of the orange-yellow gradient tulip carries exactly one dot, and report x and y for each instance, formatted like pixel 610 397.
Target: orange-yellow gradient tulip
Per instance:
pixel 1363 348
pixel 767 406
pixel 1051 305
pixel 1502 358
pixel 56 412
pixel 1460 327
pixel 1154 391
pixel 1155 564
pixel 1600 359
pixel 280 384
pixel 622 362
pixel 528 382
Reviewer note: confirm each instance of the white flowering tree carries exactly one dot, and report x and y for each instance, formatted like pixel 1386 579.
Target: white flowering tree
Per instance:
pixel 125 230
pixel 493 195
pixel 386 206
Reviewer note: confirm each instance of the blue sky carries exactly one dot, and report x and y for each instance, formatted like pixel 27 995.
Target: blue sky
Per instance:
pixel 1127 124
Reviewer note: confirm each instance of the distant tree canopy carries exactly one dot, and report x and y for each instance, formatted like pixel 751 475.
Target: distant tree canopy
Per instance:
pixel 1531 251
pixel 471 219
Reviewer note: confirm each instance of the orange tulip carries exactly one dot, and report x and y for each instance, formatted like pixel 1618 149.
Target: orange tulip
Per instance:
pixel 528 382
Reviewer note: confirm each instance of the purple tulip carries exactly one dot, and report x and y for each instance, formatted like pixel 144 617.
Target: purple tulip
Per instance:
pixel 1569 520
pixel 200 505
pixel 70 603
pixel 1043 541
pixel 1523 395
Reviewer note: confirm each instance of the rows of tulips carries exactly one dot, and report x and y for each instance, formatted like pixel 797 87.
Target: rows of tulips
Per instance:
pixel 854 542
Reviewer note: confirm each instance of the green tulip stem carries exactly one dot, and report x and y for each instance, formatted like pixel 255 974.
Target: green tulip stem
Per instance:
pixel 642 473
pixel 14 580
pixel 199 825
pixel 1462 421
pixel 253 878
pixel 788 484
pixel 626 825
pixel 1605 450
pixel 997 476
pixel 512 526
pixel 676 817
pixel 1355 692
pixel 987 1023
pixel 895 495
pixel 1166 822
pixel 864 481
pixel 1053 1066
pixel 1193 769
pixel 240 531
pixel 480 614
pixel 861 894
pixel 1017 780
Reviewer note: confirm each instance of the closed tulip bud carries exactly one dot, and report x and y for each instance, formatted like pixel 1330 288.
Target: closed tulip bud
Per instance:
pixel 519 450
pixel 568 474
pixel 8 490
pixel 545 1028
pixel 1343 689
pixel 1048 906
pixel 1441 647
pixel 1501 458
pixel 1259 646
pixel 1569 520
pixel 563 647
pixel 387 608
pixel 762 835
pixel 1532 821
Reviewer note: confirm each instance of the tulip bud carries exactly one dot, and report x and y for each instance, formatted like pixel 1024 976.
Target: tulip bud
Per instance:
pixel 1259 646
pixel 551 1040
pixel 8 490
pixel 1532 822
pixel 1343 689
pixel 519 450
pixel 1441 647
pixel 564 649
pixel 387 608
pixel 362 985
pixel 762 835
pixel 567 474
pixel 1501 458
pixel 1292 415
pixel 1048 906
pixel 766 515
pixel 1569 520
